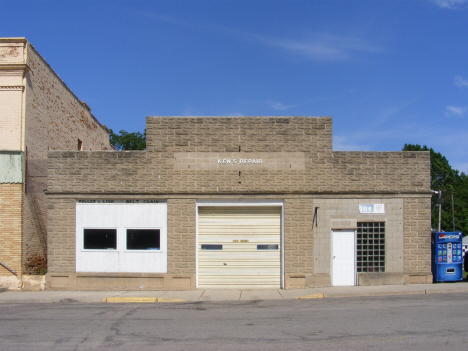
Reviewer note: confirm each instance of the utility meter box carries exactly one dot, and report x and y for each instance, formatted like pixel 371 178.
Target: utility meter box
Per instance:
pixel 447 257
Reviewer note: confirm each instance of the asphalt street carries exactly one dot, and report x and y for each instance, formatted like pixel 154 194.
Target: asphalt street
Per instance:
pixel 405 322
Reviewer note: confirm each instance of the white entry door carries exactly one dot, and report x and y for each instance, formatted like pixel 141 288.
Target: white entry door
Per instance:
pixel 343 258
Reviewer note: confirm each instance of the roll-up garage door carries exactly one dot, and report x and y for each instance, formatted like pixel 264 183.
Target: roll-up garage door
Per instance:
pixel 239 247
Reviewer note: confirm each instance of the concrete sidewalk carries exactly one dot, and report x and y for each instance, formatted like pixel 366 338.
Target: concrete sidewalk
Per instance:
pixel 226 295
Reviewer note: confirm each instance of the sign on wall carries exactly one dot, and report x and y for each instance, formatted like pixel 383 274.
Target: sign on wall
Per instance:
pixel 371 208
pixel 239 160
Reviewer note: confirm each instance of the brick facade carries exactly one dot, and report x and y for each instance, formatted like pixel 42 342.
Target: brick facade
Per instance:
pixel 289 159
pixel 39 113
pixel 10 227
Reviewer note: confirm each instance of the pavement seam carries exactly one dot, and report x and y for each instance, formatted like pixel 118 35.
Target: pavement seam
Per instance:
pixel 199 297
pixel 280 293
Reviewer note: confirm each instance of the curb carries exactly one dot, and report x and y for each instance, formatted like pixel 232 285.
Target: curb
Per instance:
pixel 139 300
pixel 311 296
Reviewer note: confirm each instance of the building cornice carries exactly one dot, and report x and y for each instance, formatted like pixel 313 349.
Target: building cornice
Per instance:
pixel 12 87
pixel 14 67
pixel 13 40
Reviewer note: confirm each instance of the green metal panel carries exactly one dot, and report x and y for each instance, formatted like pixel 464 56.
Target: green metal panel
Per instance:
pixel 11 167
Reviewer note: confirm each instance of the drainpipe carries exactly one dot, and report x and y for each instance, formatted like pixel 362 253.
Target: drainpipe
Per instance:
pixel 440 208
pixel 8 267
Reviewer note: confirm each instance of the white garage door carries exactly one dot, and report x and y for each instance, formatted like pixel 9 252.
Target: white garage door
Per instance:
pixel 239 247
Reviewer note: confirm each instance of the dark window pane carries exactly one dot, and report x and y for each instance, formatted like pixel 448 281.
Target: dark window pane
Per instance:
pixel 267 247
pixel 211 247
pixel 143 239
pixel 100 239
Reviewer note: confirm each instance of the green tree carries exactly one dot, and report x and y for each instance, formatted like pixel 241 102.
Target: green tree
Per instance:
pixel 444 178
pixel 128 141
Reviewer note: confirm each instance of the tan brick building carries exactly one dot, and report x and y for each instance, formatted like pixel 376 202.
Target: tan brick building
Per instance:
pixel 237 202
pixel 38 113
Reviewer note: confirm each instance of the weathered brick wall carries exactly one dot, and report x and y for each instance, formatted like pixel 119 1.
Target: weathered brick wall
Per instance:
pixel 417 236
pixel 181 236
pixel 155 171
pixel 61 235
pixel 10 227
pixel 55 120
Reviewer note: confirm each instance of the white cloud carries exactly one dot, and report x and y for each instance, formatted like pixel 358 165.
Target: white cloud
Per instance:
pixel 322 46
pixel 459 81
pixel 450 4
pixel 455 110
pixel 278 105
pixel 351 143
pixel 314 46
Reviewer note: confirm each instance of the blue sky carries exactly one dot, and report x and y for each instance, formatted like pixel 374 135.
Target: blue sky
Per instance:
pixel 388 72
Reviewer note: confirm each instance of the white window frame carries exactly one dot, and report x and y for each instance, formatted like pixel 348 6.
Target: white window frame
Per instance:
pixel 121 216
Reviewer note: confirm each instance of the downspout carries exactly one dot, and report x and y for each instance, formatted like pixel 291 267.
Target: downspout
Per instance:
pixel 8 268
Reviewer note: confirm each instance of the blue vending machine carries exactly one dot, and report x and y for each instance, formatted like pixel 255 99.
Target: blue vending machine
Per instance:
pixel 447 257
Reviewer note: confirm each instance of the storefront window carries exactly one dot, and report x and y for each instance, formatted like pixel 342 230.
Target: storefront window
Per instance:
pixel 100 239
pixel 143 239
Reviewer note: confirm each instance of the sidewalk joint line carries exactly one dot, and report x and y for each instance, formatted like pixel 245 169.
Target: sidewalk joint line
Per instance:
pixel 203 293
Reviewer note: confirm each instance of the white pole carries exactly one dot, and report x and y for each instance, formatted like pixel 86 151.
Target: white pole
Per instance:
pixel 440 210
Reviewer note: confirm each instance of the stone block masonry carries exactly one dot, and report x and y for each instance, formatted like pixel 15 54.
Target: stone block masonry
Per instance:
pixel 417 240
pixel 159 170
pixel 239 160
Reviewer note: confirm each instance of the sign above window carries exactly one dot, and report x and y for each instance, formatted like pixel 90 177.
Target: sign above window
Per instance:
pixel 129 201
pixel 371 208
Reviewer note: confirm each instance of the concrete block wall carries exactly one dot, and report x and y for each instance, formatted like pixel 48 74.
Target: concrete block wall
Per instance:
pixel 298 242
pixel 181 236
pixel 174 169
pixel 61 235
pixel 417 240
pixel 181 260
pixel 308 247
pixel 227 134
pixel 157 170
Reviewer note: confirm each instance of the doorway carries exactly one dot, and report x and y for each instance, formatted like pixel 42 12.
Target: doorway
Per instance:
pixel 343 258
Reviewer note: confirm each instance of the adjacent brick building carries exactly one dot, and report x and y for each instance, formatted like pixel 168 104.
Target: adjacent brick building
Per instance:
pixel 38 113
pixel 237 202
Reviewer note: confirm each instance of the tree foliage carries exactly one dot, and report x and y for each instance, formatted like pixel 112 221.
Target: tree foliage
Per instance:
pixel 444 178
pixel 128 141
